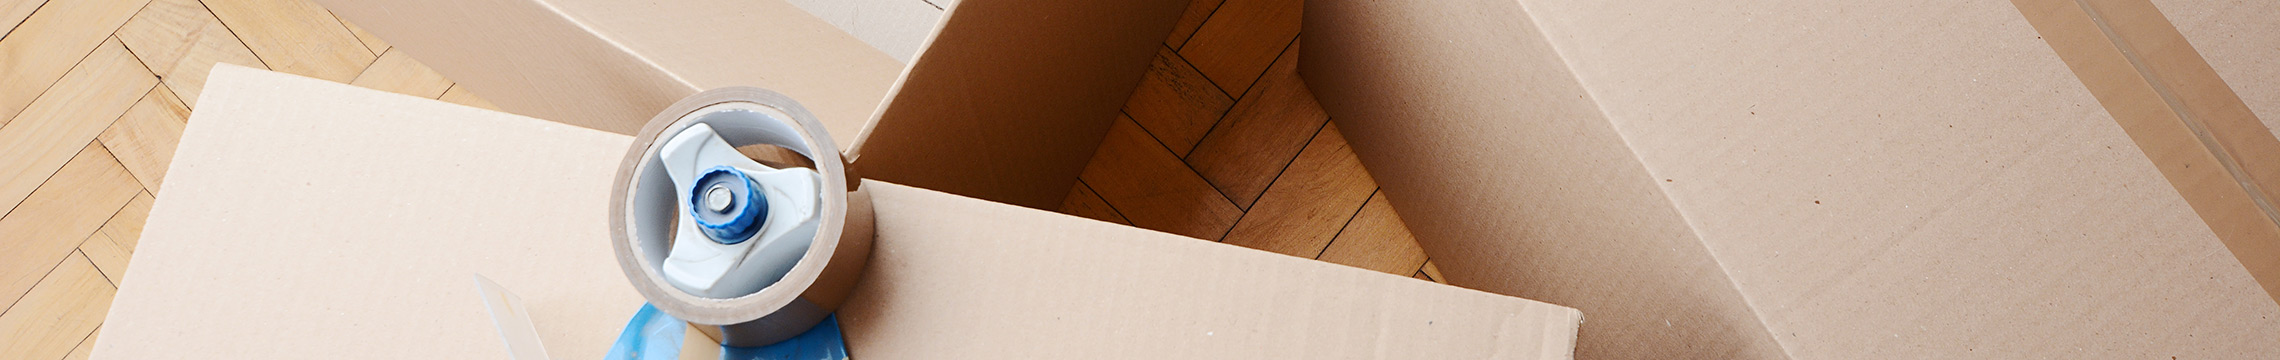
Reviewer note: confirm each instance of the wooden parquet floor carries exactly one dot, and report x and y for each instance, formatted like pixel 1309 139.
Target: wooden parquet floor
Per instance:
pixel 1221 141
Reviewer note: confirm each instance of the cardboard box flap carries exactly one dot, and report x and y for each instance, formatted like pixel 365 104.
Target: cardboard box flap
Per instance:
pixel 895 27
pixel 611 65
pixel 1005 100
pixel 305 218
pixel 1514 182
pixel 1877 180
pixel 1014 282
pixel 1010 98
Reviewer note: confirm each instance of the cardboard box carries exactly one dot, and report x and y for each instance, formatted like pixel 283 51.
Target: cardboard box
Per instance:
pixel 1004 100
pixel 305 218
pixel 1797 179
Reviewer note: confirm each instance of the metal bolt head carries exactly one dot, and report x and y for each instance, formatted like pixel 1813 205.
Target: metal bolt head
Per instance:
pixel 719 198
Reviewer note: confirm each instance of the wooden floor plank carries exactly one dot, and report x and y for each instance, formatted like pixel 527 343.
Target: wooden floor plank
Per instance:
pixel 13 12
pixel 180 41
pixel 1083 202
pixel 1312 200
pixel 371 43
pixel 1197 11
pixel 398 73
pixel 144 138
pixel 295 36
pixel 86 346
pixel 48 45
pixel 125 226
pixel 67 118
pixel 459 95
pixel 1153 189
pixel 163 31
pixel 109 257
pixel 58 314
pixel 1376 240
pixel 52 222
pixel 1175 103
pixel 1433 272
pixel 1240 39
pixel 1261 134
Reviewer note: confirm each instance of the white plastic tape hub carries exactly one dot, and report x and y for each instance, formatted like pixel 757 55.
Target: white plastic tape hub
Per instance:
pixel 711 236
pixel 774 208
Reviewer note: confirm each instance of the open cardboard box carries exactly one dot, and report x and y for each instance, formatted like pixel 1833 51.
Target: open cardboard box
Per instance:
pixel 1831 179
pixel 307 218
pixel 1003 100
pixel 311 219
pixel 1729 179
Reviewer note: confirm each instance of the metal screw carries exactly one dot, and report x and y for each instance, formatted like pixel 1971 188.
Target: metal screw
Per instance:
pixel 718 198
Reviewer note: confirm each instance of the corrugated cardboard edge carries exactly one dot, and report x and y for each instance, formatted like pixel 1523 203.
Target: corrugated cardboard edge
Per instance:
pixel 1649 283
pixel 1198 299
pixel 2194 128
pixel 1011 97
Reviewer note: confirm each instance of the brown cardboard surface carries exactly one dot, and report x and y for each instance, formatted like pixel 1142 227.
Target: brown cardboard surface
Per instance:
pixel 954 275
pixel 2174 106
pixel 2236 38
pixel 895 27
pixel 1010 98
pixel 610 65
pixel 1007 94
pixel 1581 221
pixel 305 218
pixel 1901 180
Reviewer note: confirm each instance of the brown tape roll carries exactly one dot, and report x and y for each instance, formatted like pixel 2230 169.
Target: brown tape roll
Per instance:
pixel 642 213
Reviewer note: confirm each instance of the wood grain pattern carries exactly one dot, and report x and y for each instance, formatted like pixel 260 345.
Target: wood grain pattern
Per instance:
pixel 1175 103
pixel 1376 240
pixel 52 222
pixel 1307 206
pixel 86 347
pixel 397 73
pixel 109 257
pixel 48 44
pixel 460 95
pixel 1153 189
pixel 58 314
pixel 295 36
pixel 13 12
pixel 1261 135
pixel 1197 12
pixel 1248 144
pixel 125 226
pixel 144 138
pixel 180 42
pixel 371 43
pixel 72 113
pixel 163 31
pixel 1083 202
pixel 1240 39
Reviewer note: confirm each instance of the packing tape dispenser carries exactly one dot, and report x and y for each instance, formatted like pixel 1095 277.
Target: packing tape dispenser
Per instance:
pixel 759 250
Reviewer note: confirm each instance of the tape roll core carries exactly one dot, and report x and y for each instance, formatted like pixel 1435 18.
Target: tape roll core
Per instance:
pixel 642 209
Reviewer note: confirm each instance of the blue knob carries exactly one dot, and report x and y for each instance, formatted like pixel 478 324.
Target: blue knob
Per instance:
pixel 727 205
